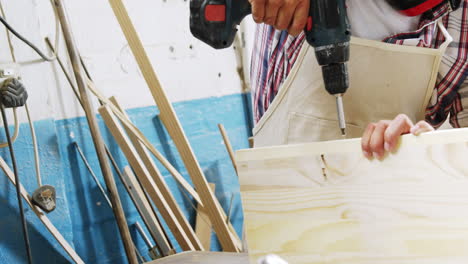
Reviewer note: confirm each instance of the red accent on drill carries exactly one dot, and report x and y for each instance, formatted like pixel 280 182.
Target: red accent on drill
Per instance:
pixel 215 13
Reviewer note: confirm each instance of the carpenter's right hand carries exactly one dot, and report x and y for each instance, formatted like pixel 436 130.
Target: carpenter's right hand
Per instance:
pixel 282 14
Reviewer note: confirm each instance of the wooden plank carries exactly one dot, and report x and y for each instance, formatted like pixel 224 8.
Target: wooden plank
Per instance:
pixel 347 146
pixel 161 183
pixel 95 134
pixel 228 145
pixel 203 224
pixel 173 126
pixel 44 219
pixel 325 203
pixel 147 181
pixel 129 126
pixel 204 257
pixel 144 207
pixel 150 218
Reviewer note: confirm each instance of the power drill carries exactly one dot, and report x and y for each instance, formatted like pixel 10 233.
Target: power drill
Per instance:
pixel 328 31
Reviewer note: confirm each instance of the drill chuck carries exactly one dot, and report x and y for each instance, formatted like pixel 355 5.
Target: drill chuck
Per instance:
pixel 329 32
pixel 335 77
pixel 332 53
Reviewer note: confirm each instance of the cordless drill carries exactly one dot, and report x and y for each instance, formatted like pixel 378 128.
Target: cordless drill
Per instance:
pixel 328 31
pixel 215 23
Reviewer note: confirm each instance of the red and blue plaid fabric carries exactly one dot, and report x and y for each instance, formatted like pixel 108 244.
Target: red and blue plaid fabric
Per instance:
pixel 275 53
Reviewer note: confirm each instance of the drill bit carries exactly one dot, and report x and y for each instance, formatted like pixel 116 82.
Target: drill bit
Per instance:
pixel 340 111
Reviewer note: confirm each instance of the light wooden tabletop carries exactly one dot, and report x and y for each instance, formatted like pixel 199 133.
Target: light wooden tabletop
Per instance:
pixel 197 257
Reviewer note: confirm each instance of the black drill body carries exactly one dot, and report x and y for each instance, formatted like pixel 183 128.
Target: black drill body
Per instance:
pixel 327 30
pixel 217 33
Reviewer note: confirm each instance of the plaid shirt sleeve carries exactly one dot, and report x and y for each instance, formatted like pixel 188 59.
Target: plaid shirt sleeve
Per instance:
pixel 450 95
pixel 275 52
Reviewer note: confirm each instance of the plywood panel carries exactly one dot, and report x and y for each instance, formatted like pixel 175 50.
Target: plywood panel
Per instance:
pixel 326 203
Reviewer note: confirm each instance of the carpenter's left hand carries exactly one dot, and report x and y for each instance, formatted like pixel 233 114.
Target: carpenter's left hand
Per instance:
pixel 383 136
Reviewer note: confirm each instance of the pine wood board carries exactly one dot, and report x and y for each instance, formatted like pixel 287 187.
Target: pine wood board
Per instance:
pixel 95 132
pixel 168 117
pixel 147 181
pixel 325 203
pixel 135 132
pixel 203 257
pixel 161 183
pixel 44 219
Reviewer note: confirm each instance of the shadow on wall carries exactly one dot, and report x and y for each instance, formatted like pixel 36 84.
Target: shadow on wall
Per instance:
pixel 10 227
pixel 232 208
pixel 95 233
pixel 184 200
pixel 169 154
pixel 45 248
pixel 212 174
pixel 163 137
pixel 92 211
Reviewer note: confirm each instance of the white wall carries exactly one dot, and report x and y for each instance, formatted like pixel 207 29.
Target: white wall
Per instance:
pixel 187 68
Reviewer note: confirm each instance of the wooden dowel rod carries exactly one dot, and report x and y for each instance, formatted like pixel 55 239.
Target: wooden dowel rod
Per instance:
pixel 153 224
pixel 137 133
pixel 174 128
pixel 101 189
pixel 95 133
pixel 64 70
pixel 160 182
pixel 147 181
pixel 146 212
pixel 228 145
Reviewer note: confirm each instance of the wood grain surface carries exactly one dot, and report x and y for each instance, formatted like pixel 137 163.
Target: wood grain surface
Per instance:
pixel 197 257
pixel 313 203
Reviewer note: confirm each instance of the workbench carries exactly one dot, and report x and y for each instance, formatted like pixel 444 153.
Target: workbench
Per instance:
pixel 197 257
pixel 324 202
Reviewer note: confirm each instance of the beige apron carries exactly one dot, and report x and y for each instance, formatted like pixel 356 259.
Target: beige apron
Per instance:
pixel 385 80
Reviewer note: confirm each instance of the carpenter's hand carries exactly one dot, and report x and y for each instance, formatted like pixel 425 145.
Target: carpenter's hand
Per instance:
pixel 281 14
pixel 383 136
